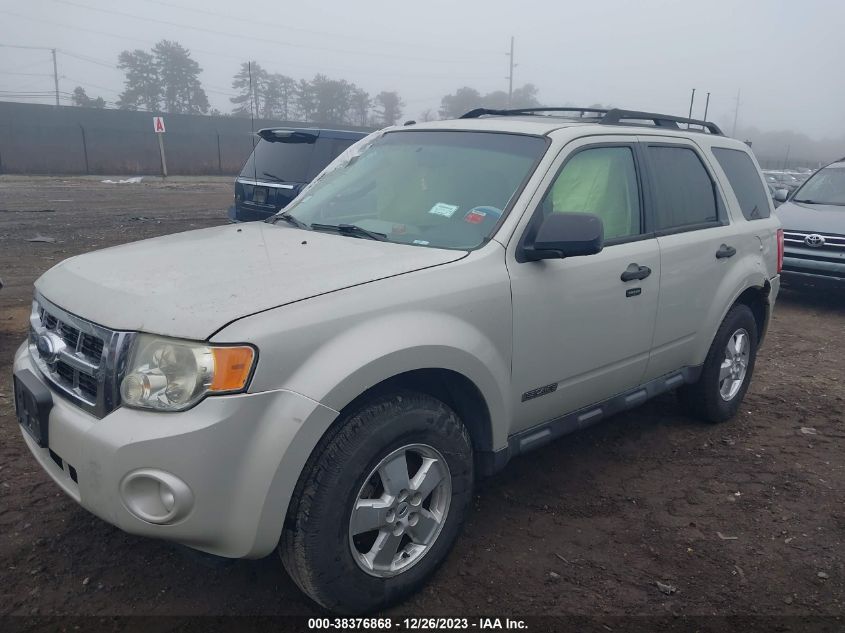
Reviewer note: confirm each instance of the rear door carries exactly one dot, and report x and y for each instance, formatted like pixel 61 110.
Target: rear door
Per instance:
pixel 697 248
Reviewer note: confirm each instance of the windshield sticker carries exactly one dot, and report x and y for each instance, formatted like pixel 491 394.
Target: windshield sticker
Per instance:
pixel 446 210
pixel 421 242
pixel 475 216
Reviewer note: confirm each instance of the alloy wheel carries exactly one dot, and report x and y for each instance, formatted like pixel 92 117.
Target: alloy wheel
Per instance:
pixel 734 366
pixel 400 510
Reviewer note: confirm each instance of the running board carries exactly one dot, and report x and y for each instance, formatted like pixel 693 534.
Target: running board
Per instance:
pixel 542 434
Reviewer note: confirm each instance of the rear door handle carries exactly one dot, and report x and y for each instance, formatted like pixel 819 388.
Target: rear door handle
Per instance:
pixel 635 271
pixel 725 251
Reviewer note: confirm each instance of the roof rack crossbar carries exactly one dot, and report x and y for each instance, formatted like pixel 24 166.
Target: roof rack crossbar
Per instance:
pixel 478 112
pixel 617 116
pixel 614 116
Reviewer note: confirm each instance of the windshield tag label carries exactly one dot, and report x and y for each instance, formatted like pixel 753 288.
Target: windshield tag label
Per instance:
pixel 446 210
pixel 475 216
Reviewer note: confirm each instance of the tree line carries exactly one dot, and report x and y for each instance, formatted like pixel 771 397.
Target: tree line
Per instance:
pixel 271 95
pixel 167 79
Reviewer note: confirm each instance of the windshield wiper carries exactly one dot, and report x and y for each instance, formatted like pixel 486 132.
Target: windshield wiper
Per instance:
pixel 273 176
pixel 835 204
pixel 350 229
pixel 287 217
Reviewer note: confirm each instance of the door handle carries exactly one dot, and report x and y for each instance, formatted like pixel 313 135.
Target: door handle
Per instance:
pixel 725 251
pixel 635 271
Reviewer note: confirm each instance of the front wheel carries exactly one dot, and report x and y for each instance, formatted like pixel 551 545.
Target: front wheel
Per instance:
pixel 379 503
pixel 726 374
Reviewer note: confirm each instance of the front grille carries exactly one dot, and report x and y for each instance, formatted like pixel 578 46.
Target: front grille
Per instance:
pixel 65 373
pixel 88 386
pixel 823 241
pixel 83 361
pixel 91 346
pixel 69 335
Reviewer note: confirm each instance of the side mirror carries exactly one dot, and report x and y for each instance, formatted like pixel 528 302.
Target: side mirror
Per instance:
pixel 781 195
pixel 565 235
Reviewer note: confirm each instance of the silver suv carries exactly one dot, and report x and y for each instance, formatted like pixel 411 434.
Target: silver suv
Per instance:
pixel 442 298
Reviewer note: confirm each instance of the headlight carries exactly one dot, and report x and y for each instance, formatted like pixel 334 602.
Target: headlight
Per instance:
pixel 172 375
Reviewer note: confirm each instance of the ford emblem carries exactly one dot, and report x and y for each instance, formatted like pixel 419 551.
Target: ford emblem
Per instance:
pixel 49 346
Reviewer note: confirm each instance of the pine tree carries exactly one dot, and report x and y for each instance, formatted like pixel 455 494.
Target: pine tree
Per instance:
pixel 143 89
pixel 250 82
pixel 389 107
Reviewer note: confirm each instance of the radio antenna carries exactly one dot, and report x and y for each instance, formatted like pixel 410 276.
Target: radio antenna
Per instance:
pixel 252 106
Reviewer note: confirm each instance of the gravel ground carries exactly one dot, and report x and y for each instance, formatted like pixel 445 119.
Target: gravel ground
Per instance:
pixel 744 518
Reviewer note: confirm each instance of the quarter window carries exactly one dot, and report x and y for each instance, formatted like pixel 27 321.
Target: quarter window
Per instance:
pixel 684 192
pixel 745 181
pixel 602 181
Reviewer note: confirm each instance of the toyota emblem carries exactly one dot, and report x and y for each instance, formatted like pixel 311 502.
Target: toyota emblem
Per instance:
pixel 815 240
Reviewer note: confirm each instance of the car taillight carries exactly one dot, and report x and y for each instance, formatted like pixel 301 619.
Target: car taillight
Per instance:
pixel 780 250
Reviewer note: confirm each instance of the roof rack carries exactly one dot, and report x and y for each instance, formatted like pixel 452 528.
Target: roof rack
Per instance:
pixel 478 112
pixel 613 116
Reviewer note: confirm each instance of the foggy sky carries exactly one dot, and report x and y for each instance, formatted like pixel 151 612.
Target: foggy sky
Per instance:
pixel 785 56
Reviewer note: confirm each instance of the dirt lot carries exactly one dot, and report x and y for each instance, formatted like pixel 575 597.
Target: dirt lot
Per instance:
pixel 744 518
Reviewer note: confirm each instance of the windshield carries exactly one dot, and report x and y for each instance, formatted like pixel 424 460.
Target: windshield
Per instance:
pixel 428 188
pixel 827 186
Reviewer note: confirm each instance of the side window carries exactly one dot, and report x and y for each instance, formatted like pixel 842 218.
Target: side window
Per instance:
pixel 603 181
pixel 745 181
pixel 684 194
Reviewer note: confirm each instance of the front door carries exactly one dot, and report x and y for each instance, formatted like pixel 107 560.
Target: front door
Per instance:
pixel 582 333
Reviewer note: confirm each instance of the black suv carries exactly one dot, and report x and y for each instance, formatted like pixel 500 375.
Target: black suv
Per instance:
pixel 282 163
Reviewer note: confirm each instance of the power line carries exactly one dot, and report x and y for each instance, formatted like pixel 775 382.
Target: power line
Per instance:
pixel 239 58
pixel 10 72
pixel 55 66
pixel 288 27
pixel 90 85
pixel 28 66
pixel 250 38
pixel 86 58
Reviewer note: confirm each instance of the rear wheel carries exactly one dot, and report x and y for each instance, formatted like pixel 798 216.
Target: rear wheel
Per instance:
pixel 726 374
pixel 379 504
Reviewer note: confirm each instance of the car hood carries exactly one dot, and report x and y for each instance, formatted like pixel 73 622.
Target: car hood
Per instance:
pixel 191 284
pixel 813 218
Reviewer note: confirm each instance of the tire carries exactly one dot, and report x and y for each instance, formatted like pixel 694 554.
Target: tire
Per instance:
pixel 708 399
pixel 317 547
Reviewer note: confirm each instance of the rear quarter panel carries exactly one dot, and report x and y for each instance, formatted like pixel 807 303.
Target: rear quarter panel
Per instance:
pixel 755 241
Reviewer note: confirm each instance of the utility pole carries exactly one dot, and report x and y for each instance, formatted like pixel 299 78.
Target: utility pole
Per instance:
pixel 55 76
pixel 736 113
pixel 510 74
pixel 55 66
pixel 691 101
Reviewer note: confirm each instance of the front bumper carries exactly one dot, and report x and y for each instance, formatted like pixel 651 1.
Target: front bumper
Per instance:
pixel 803 270
pixel 239 455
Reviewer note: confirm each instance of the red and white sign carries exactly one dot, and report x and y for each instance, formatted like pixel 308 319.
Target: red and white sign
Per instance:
pixel 158 124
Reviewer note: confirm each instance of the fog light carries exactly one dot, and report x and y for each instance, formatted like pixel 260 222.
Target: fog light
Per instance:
pixel 156 496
